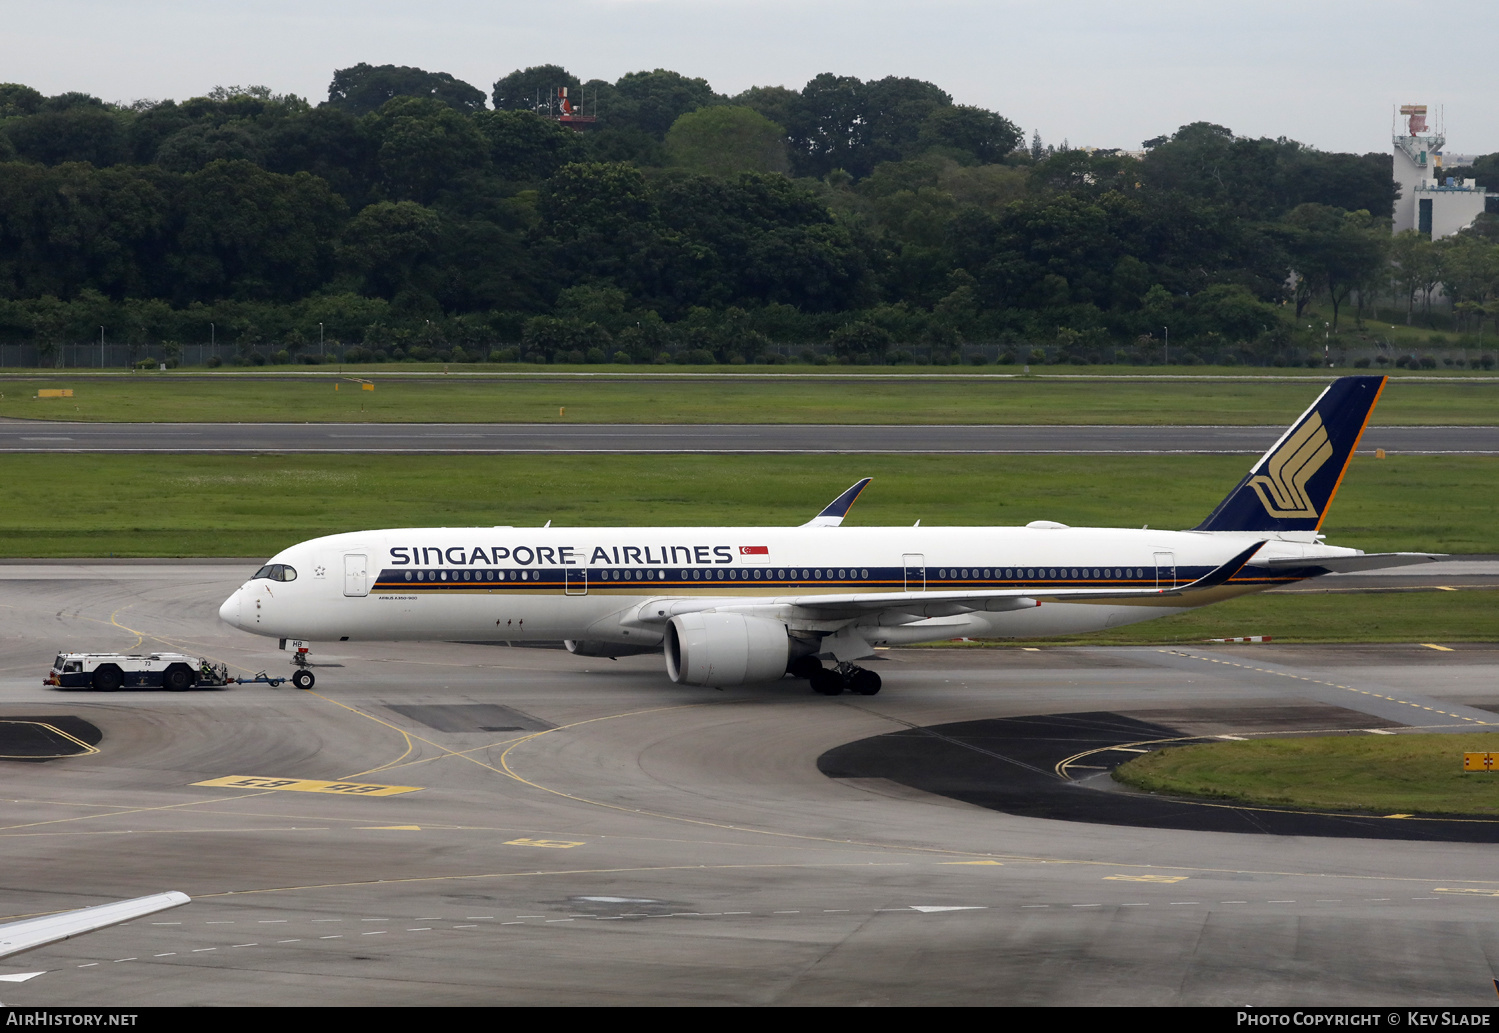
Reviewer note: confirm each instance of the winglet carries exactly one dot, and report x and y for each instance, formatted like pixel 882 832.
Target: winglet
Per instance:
pixel 833 514
pixel 1214 578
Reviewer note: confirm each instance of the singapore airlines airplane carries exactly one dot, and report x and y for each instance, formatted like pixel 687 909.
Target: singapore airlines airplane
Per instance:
pixel 736 605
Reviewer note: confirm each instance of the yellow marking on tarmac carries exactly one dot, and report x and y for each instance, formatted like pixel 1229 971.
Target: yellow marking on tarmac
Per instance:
pixel 1444 588
pixel 1146 878
pixel 141 636
pixel 1397 815
pixel 970 862
pixel 85 748
pixel 120 811
pixel 554 844
pixel 407 736
pixel 307 785
pixel 1481 893
pixel 1433 645
pixel 546 873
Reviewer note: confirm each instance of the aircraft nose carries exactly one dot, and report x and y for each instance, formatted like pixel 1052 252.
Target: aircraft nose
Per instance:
pixel 229 612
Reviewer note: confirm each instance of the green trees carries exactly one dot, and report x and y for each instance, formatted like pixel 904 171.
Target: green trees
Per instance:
pixel 868 218
pixel 722 141
pixel 81 132
pixel 365 88
pixel 970 135
pixel 1336 250
pixel 423 146
pixel 530 89
pixel 1469 268
pixel 525 146
pixel 840 122
pixel 247 233
pixel 385 242
pixel 651 101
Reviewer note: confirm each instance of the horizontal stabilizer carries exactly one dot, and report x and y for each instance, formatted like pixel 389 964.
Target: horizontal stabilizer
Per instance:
pixel 1349 564
pixel 833 514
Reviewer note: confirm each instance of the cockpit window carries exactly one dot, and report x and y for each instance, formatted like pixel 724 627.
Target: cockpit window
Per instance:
pixel 276 572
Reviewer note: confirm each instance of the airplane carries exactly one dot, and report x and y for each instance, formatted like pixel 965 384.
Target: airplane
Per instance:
pixel 739 605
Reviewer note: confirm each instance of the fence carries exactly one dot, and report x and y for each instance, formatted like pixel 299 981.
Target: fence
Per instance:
pixel 118 356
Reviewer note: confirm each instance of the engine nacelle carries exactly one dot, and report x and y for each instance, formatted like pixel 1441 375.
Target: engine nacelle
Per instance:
pixel 721 649
pixel 589 647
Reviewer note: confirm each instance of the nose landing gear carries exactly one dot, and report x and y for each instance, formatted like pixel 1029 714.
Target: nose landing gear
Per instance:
pixel 831 681
pixel 302 678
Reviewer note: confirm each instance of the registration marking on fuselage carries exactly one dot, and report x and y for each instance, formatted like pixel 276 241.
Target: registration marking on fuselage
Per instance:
pixel 307 785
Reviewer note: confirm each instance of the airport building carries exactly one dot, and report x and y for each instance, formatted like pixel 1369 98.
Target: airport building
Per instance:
pixel 1436 205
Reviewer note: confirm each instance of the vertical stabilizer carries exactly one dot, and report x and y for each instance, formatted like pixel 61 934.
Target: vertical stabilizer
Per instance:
pixel 1293 484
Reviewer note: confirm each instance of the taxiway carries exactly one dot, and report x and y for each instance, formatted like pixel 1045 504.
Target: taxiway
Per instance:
pixel 581 831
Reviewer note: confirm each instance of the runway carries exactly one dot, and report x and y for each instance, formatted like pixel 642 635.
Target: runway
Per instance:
pixel 455 439
pixel 581 831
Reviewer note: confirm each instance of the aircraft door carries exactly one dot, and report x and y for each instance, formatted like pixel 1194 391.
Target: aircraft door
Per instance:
pixel 1165 570
pixel 356 574
pixel 575 581
pixel 915 566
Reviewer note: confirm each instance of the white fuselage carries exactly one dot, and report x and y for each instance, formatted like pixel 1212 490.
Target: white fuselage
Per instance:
pixel 546 584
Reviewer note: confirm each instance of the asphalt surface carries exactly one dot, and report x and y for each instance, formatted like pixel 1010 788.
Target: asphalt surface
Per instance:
pixel 585 832
pixel 1035 765
pixel 47 436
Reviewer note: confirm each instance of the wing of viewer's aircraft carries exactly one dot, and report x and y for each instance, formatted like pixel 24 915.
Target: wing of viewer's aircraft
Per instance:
pixel 736 605
pixel 31 933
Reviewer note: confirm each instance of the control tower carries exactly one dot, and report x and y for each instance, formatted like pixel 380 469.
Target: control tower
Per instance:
pixel 1434 205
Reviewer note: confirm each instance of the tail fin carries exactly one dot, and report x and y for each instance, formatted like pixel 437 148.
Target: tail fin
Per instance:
pixel 1292 485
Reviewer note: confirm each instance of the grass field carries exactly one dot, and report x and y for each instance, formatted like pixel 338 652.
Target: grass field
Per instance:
pixel 1399 774
pixel 253 506
pixel 182 505
pixel 811 395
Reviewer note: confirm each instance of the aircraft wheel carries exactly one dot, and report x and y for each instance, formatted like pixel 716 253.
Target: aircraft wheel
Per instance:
pixel 804 667
pixel 865 683
pixel 303 679
pixel 827 682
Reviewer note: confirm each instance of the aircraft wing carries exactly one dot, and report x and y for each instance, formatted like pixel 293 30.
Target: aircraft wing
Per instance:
pixel 31 933
pixel 937 604
pixel 1348 564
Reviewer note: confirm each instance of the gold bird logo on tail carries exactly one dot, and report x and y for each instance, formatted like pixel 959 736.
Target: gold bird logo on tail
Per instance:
pixel 1282 487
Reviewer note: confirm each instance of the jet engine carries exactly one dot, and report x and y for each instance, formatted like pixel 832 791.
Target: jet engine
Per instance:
pixel 721 649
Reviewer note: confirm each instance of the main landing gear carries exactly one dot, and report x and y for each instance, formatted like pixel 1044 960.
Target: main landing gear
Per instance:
pixel 830 681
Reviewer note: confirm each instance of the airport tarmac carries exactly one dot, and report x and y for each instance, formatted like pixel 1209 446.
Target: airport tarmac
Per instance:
pixel 520 438
pixel 582 831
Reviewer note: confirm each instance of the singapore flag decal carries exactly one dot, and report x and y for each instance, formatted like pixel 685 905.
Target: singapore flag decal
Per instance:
pixel 754 550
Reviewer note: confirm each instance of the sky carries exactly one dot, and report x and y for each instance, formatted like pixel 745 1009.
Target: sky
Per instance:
pixel 1102 74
